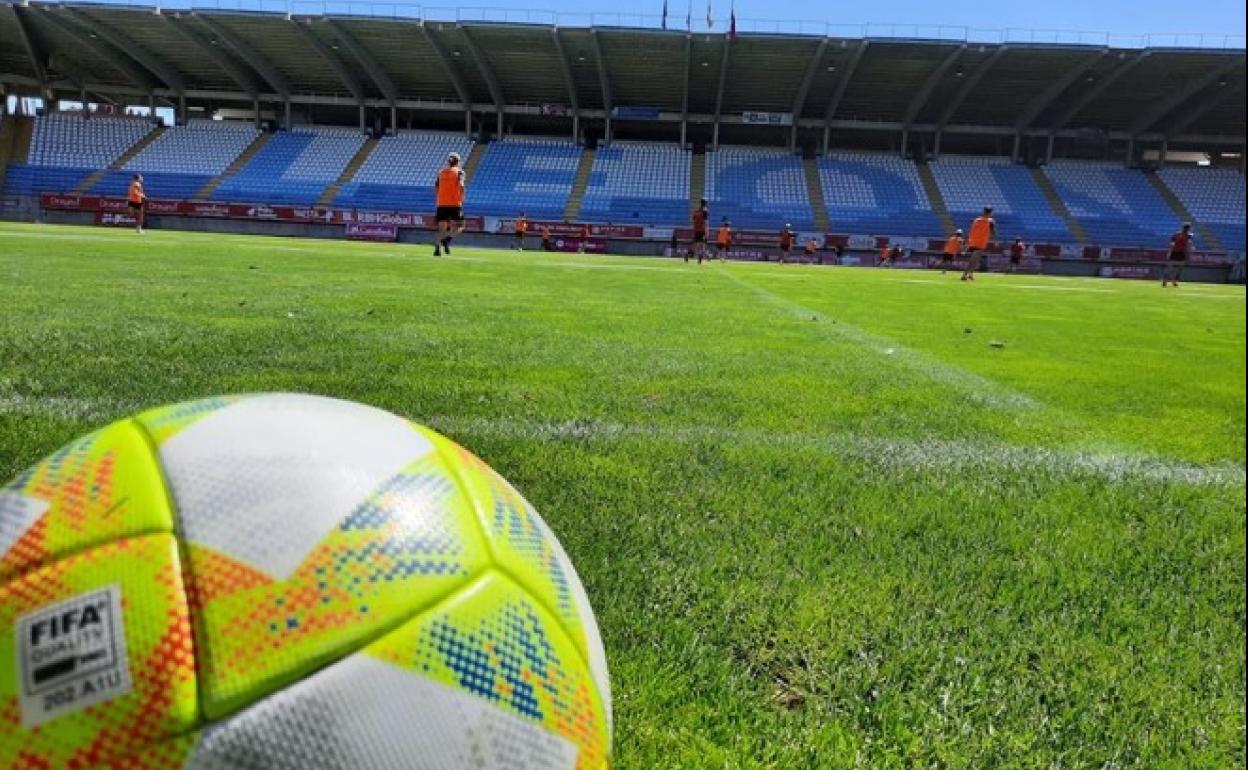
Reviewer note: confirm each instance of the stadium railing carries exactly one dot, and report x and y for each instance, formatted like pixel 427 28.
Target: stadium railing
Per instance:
pixel 673 21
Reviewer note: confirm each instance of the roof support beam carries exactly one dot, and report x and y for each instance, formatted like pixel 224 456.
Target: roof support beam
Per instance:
pixel 968 87
pixel 604 80
pixel 36 56
pixel 569 82
pixel 335 62
pixel 835 102
pixel 243 77
pixel 916 104
pixel 90 40
pixel 1234 91
pixel 448 66
pixel 487 74
pixel 254 59
pixel 1182 94
pixel 719 91
pixel 684 96
pixel 163 70
pixel 925 92
pixel 1045 98
pixel 1092 93
pixel 375 71
pixel 799 99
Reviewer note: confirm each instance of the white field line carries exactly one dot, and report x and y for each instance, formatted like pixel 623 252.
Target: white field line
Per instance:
pixel 889 453
pixel 1037 287
pixel 973 386
pixel 67 408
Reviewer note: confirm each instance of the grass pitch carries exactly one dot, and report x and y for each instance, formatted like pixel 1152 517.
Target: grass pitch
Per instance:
pixel 827 517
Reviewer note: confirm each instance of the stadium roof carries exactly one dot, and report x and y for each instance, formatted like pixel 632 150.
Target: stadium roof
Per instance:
pixel 949 83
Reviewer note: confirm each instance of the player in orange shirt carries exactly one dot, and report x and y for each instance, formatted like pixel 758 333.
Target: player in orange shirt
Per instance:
pixel 1180 250
pixel 136 202
pixel 701 217
pixel 787 237
pixel 811 247
pixel 952 250
pixel 448 190
pixel 983 230
pixel 723 240
pixel 522 227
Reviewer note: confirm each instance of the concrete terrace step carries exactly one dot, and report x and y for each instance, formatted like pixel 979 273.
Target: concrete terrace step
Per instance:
pixel 935 197
pixel 1207 236
pixel 573 209
pixel 1058 205
pixel 348 173
pixel 474 160
pixel 814 189
pixel 121 160
pixel 241 161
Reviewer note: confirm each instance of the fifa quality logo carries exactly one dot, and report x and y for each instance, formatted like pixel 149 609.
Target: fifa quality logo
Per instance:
pixel 72 655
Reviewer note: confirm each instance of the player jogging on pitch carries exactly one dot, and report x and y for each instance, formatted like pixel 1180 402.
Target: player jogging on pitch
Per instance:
pixel 448 190
pixel 700 217
pixel 1180 250
pixel 983 230
pixel 723 240
pixel 1017 250
pixel 786 242
pixel 522 227
pixel 136 202
pixel 952 250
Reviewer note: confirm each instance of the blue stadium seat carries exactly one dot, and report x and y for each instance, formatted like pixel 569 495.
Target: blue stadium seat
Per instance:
pixel 969 183
pixel 398 175
pixel 25 179
pixel 1215 197
pixel 67 140
pixel 872 193
pixel 530 175
pixel 1116 206
pixel 623 189
pixel 756 187
pixel 294 167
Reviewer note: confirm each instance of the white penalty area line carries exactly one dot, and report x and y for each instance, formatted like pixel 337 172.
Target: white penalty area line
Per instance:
pixel 897 454
pixel 975 387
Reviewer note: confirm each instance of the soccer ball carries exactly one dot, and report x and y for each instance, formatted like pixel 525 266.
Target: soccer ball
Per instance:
pixel 289 582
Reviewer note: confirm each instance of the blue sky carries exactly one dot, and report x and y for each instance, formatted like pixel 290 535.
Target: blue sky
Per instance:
pixel 1221 17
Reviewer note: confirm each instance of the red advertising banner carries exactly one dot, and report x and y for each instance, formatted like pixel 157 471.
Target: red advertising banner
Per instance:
pixel 359 231
pixel 252 211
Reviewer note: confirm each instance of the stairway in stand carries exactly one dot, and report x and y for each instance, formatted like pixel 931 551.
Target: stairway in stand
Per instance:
pixel 242 160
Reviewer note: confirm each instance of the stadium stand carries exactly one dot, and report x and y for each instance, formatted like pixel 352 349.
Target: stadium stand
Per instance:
pixel 638 181
pixel 875 194
pixel 968 183
pixel 532 174
pixel 400 171
pixel 1116 206
pixel 757 187
pixel 294 167
pixel 1215 196
pixel 67 148
pixel 182 159
pixel 67 140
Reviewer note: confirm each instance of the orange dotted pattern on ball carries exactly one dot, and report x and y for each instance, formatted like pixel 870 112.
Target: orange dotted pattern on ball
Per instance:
pixel 156 620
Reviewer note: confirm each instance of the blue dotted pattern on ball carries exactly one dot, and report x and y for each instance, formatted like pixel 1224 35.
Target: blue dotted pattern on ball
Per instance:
pixel 492 660
pixel 410 507
pixel 513 519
